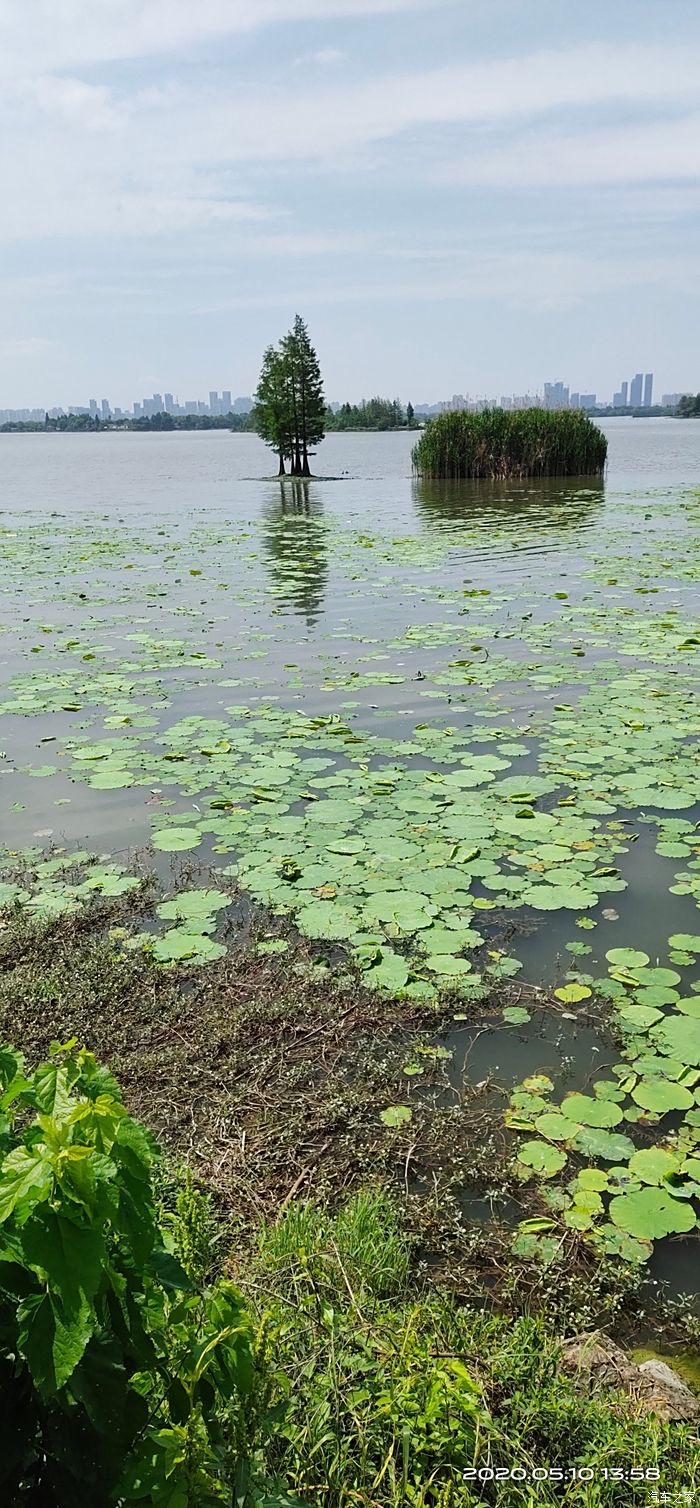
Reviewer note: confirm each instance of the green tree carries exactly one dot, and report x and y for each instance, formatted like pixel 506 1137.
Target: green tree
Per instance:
pixel 290 409
pixel 273 413
pixel 410 415
pixel 305 388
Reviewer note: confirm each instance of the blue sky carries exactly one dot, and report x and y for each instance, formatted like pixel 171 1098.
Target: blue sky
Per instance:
pixel 458 195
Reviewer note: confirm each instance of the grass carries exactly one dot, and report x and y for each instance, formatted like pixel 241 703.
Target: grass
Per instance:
pixel 389 1392
pixel 496 445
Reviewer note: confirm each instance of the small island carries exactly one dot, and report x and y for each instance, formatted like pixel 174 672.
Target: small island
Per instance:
pixel 496 445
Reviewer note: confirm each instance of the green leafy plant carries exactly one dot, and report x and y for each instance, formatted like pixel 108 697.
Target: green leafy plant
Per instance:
pixel 120 1373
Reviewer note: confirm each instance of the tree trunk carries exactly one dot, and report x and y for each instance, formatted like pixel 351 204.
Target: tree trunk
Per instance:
pixel 306 469
pixel 281 471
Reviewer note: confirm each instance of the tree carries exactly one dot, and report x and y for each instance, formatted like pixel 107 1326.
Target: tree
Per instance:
pixel 410 415
pixel 272 413
pixel 290 409
pixel 306 391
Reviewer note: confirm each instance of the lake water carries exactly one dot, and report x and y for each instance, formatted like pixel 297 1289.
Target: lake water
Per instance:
pixel 451 728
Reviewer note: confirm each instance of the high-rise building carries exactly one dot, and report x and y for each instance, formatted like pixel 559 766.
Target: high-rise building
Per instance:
pixel 138 409
pixel 106 410
pixel 587 401
pixel 93 407
pixel 624 392
pixel 636 391
pixel 191 406
pixel 226 402
pixel 556 395
pixel 213 403
pixel 648 389
pixel 157 403
pixel 169 403
pixel 575 400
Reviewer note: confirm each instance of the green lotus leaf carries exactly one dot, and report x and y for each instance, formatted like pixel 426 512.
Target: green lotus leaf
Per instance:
pixel 558 897
pixel 176 839
pixel 660 1096
pixel 446 964
pixel 661 978
pixel 193 904
pixel 690 1006
pixel 619 1244
pixel 679 1036
pixel 396 1115
pixel 592 1178
pixel 686 942
pixel 556 1127
pixel 516 1015
pixel 651 1214
pixel 182 944
pixel 572 993
pixel 538 1083
pixel 326 921
pixel 585 1110
pixel 389 973
pixel 542 1158
pixel 639 1017
pixel 612 1146
pixel 654 1164
pixel 655 996
pixel 627 958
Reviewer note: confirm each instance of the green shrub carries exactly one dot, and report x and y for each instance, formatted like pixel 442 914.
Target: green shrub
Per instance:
pixel 120 1375
pixel 496 444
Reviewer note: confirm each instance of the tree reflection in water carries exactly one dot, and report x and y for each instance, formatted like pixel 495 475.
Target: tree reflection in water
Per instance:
pixel 294 536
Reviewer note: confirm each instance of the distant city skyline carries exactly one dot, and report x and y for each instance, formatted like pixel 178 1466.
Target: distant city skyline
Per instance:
pixel 637 393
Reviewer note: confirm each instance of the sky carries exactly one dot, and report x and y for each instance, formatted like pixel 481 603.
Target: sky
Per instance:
pixel 458 196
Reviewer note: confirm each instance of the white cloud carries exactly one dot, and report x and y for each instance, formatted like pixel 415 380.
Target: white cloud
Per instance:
pixel 325 57
pixel 45 34
pixel 666 150
pixel 545 282
pixel 14 348
pixel 300 122
pixel 69 101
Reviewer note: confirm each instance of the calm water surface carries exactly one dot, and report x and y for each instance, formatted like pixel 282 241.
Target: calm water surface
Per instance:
pixel 346 595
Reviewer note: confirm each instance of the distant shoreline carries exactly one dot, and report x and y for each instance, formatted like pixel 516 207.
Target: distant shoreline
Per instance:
pixel 29 428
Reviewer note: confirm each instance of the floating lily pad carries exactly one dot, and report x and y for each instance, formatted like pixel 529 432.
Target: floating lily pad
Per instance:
pixel 585 1110
pixel 542 1158
pixel 651 1214
pixel 396 1115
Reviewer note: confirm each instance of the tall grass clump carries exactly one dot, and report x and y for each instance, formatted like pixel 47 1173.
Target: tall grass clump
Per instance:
pixel 497 445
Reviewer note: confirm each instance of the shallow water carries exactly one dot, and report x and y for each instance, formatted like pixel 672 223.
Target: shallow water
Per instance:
pixel 155 579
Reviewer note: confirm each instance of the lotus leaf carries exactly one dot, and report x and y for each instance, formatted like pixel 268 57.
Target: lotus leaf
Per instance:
pixel 176 839
pixel 396 1115
pixel 650 1214
pixel 659 1096
pixel 679 1036
pixel 613 1146
pixel 572 993
pixel 627 958
pixel 556 1127
pixel 542 1158
pixel 586 1110
pixel 654 1164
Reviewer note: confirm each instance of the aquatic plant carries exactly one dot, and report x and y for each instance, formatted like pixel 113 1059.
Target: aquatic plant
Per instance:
pixel 494 445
